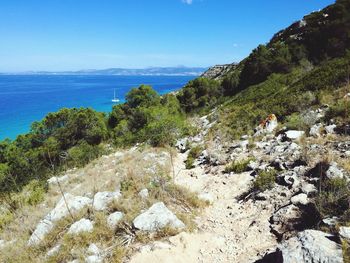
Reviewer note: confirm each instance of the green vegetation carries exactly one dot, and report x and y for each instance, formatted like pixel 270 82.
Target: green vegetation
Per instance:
pixel 193 154
pixel 265 180
pixel 238 166
pixel 146 116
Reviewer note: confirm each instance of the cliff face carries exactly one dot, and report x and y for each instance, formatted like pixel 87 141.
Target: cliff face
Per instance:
pixel 217 71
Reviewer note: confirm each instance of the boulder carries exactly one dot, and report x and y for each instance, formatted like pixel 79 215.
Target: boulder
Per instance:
pixel 311 246
pixel 334 172
pixel 113 219
pixel 103 199
pixel 74 204
pixel 300 199
pixel 315 130
pixel 157 217
pixel 83 225
pixel 330 129
pixel 294 135
pixel 144 193
pixel 344 232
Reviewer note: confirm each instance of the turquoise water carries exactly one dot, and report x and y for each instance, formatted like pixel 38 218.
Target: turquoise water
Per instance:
pixel 28 98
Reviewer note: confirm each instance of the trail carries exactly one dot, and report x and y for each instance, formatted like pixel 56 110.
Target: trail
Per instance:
pixel 228 231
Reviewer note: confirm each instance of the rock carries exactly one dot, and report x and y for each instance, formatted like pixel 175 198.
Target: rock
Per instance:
pixel 330 129
pixel 182 145
pixel 114 218
pixel 58 180
pixel 83 225
pixel 103 199
pixel 294 135
pixel 53 250
pixel 284 219
pixel 344 232
pixel 94 259
pixel 244 144
pixel 144 193
pixel 156 217
pixel 207 197
pixel 315 130
pixel 334 172
pixel 253 165
pixel 309 189
pixel 2 243
pixel 300 199
pixel 267 126
pixel 74 203
pixel 330 221
pixel 41 230
pixel 311 246
pixel 93 250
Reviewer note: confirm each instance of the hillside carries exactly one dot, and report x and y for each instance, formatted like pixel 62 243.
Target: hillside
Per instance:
pixel 247 163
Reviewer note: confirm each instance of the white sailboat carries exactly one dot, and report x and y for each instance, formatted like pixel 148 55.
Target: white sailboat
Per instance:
pixel 114 98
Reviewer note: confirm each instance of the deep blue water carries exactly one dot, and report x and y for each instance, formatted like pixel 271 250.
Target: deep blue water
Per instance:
pixel 28 98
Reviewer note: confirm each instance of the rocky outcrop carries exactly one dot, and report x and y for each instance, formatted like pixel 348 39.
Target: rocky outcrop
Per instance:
pixel 311 246
pixel 157 217
pixel 218 71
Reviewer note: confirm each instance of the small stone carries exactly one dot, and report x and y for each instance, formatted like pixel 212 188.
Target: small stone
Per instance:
pixel 103 199
pixel 334 172
pixel 315 130
pixel 53 250
pixel 93 250
pixel 144 193
pixel 330 129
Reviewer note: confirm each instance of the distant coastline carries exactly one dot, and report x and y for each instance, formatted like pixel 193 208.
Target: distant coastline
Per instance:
pixel 151 71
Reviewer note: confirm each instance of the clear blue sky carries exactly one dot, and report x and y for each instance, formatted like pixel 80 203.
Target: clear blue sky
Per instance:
pixel 83 34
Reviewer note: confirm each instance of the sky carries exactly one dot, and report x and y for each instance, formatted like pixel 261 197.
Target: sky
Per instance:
pixel 56 35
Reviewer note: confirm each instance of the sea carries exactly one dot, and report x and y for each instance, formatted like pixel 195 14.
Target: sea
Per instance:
pixel 28 98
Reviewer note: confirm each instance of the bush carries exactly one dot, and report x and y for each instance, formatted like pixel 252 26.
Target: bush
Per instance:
pixel 193 154
pixel 34 193
pixel 238 166
pixel 265 180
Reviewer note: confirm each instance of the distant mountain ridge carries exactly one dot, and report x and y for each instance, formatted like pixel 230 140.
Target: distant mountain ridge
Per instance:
pixel 151 71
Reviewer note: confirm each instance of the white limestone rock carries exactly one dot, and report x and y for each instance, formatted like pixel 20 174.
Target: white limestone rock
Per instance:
pixel 344 232
pixel 330 129
pixel 83 225
pixel 311 246
pixel 113 219
pixel 144 193
pixel 53 251
pixel 294 135
pixel 334 171
pixel 41 230
pixel 58 180
pixel 300 199
pixel 103 199
pixel 157 217
pixel 315 130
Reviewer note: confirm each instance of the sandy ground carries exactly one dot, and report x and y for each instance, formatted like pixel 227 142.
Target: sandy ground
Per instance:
pixel 228 231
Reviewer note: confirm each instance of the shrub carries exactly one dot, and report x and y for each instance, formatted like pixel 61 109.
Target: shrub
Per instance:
pixel 238 166
pixel 34 192
pixel 193 154
pixel 265 180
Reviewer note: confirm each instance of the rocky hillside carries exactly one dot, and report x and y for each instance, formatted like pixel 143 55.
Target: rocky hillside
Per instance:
pixel 217 71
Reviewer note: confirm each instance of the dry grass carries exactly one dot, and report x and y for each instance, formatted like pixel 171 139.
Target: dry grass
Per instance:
pixel 129 171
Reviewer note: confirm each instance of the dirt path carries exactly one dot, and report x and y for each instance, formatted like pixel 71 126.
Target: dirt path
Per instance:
pixel 228 231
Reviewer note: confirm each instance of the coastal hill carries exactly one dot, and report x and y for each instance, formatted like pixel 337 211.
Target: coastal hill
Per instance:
pixel 248 163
